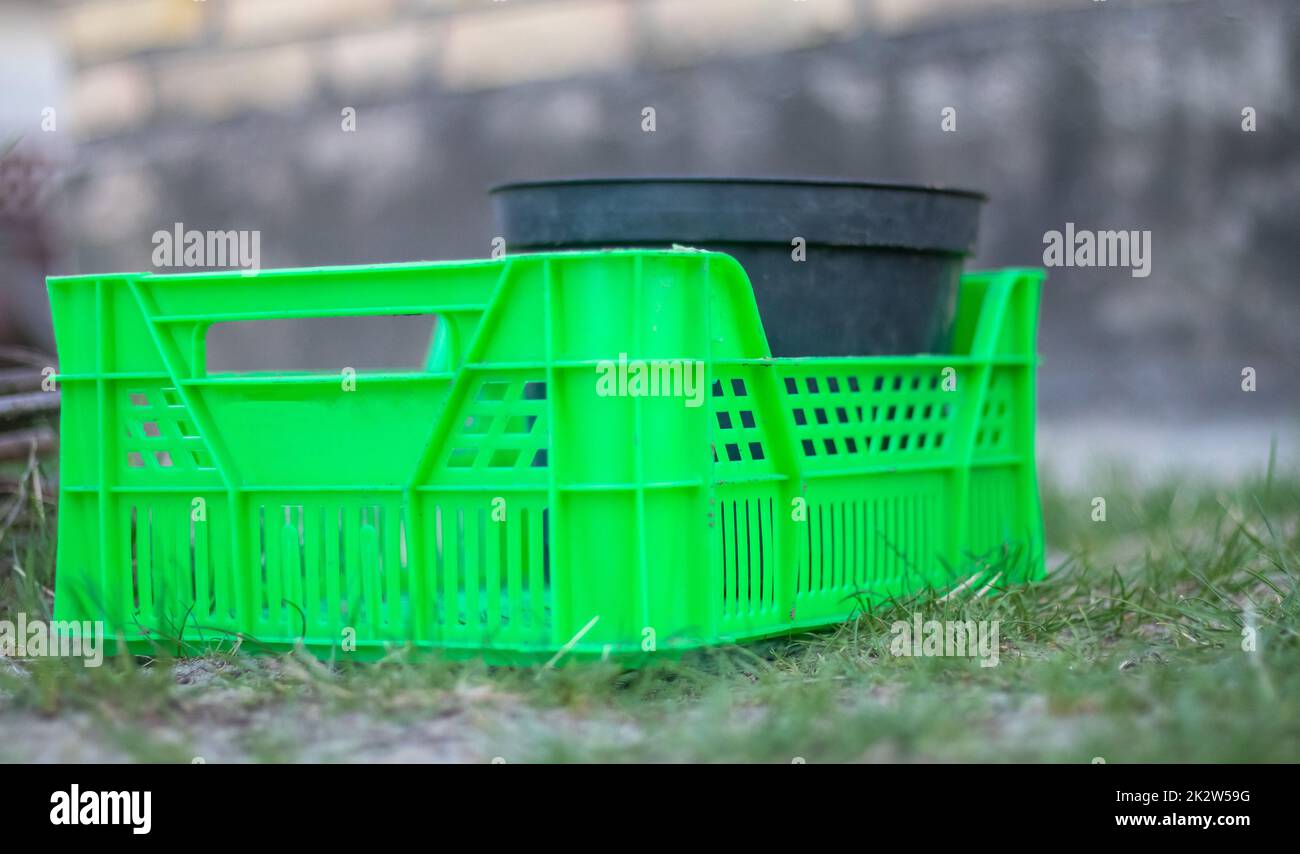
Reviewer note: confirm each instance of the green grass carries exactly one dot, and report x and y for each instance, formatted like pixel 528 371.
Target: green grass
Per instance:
pixel 1131 650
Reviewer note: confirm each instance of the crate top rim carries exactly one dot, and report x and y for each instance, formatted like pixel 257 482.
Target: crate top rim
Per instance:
pixel 385 267
pixel 233 274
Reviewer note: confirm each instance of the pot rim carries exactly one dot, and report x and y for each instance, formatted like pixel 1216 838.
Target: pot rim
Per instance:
pixel 830 183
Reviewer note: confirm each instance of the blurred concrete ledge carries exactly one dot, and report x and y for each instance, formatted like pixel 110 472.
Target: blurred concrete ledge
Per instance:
pixel 1090 452
pixel 147 60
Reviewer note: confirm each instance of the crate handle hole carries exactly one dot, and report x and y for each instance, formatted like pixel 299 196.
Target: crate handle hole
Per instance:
pixel 316 345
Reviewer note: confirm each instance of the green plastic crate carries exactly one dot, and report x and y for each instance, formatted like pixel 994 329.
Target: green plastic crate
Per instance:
pixel 496 503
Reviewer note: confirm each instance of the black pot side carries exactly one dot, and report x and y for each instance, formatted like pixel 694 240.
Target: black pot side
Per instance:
pixel 881 261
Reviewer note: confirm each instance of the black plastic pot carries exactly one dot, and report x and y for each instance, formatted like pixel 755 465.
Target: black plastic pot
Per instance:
pixel 881 266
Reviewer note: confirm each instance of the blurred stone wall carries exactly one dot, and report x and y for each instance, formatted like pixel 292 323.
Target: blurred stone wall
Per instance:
pixel 226 114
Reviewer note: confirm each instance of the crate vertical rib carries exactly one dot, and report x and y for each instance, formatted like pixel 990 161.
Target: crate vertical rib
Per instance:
pixel 1025 302
pixel 638 452
pixel 560 616
pixel 714 506
pixel 983 348
pixel 420 569
pixel 108 440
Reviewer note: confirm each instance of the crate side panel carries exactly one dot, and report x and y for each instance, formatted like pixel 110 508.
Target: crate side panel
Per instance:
pixel 595 567
pixel 336 433
pixel 81 591
pixel 677 592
